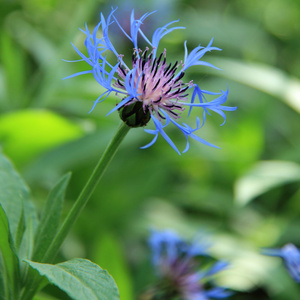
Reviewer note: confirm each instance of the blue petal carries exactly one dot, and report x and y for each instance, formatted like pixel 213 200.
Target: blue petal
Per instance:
pixel 197 53
pixel 218 293
pixel 160 32
pixel 188 132
pixel 105 25
pixel 78 74
pixel 217 267
pixel 214 105
pixel 164 242
pixel 97 100
pixel 152 142
pixel 77 60
pixel 123 102
pixel 159 127
pixel 291 256
pixel 204 63
pixel 82 55
pixel 135 27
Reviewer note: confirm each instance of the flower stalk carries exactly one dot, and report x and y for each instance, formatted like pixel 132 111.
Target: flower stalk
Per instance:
pixel 78 206
pixel 87 191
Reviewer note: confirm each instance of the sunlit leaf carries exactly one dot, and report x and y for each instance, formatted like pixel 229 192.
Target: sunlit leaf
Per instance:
pixel 80 279
pixel 263 177
pixel 34 131
pixel 262 77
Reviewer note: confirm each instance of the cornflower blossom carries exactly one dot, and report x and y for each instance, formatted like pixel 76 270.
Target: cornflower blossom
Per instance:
pixel 291 257
pixel 150 89
pixel 176 263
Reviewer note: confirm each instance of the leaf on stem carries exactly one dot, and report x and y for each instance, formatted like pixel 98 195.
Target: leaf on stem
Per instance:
pixel 14 198
pixel 50 218
pixel 80 278
pixel 10 263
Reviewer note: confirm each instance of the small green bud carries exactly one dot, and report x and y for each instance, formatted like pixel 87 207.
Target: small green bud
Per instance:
pixel 134 115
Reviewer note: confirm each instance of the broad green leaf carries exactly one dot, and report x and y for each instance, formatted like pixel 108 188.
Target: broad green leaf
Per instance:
pixel 34 131
pixel 14 197
pixel 50 218
pixel 106 248
pixel 263 177
pixel 262 77
pixel 80 279
pixel 10 260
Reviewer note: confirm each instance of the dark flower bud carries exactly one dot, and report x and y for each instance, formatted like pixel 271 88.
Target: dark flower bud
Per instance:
pixel 134 115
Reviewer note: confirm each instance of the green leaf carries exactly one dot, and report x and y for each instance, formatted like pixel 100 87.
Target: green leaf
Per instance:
pixel 26 247
pixel 47 130
pixel 3 280
pixel 106 248
pixel 50 219
pixel 80 279
pixel 263 177
pixel 20 231
pixel 47 228
pixel 10 260
pixel 262 77
pixel 14 197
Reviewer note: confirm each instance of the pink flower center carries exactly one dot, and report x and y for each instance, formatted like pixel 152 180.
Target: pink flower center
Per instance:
pixel 156 83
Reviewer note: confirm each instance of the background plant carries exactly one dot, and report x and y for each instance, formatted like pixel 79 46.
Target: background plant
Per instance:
pixel 246 194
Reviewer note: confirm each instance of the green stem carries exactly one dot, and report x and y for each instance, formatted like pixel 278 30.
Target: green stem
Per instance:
pixel 86 192
pixel 79 205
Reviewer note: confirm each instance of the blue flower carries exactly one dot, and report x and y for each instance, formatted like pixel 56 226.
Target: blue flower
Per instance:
pixel 156 86
pixel 291 257
pixel 176 263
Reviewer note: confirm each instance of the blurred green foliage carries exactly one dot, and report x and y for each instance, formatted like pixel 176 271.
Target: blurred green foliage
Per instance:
pixel 246 195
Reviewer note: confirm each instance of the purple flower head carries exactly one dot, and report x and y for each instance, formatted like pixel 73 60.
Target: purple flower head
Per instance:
pixel 150 88
pixel 176 263
pixel 291 257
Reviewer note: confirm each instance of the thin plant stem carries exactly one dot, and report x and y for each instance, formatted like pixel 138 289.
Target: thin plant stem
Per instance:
pixel 78 206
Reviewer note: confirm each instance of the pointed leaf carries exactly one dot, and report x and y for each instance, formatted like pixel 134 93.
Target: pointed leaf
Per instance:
pixel 50 219
pixel 80 279
pixel 26 248
pixel 20 231
pixel 14 196
pixel 10 261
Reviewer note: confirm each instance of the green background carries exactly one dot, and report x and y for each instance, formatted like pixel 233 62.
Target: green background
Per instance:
pixel 245 196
